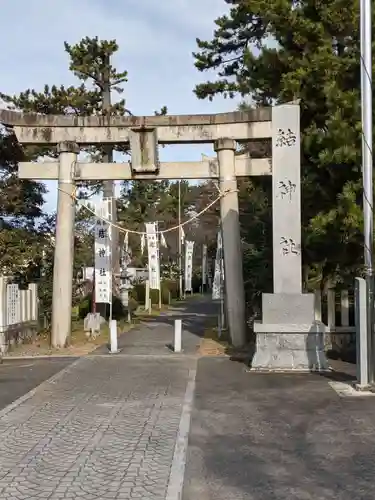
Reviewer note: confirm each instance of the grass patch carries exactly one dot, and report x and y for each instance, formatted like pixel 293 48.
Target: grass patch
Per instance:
pixel 211 344
pixel 79 343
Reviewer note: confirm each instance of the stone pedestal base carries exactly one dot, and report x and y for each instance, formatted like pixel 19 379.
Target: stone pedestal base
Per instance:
pixel 289 338
pixel 290 348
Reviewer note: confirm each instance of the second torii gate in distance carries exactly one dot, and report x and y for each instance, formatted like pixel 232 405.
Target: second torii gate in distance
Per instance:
pixel 142 135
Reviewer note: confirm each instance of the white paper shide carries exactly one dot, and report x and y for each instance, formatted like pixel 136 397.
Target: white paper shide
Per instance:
pixel 153 255
pixel 103 260
pixel 189 251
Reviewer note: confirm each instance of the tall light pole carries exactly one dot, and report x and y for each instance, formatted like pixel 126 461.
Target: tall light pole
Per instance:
pixel 366 104
pixel 179 240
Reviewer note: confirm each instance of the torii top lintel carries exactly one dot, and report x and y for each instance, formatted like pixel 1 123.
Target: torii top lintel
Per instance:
pixel 33 128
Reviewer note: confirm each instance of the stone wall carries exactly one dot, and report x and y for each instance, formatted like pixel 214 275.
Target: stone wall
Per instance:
pixel 333 308
pixel 18 314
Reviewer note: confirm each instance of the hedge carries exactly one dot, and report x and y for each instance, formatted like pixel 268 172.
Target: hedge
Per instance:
pixel 167 287
pixel 118 310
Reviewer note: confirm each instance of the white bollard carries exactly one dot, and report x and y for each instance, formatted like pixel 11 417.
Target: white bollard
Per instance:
pixel 113 336
pixel 177 335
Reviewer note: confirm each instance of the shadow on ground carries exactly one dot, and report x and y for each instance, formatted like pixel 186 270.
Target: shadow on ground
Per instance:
pixel 342 368
pixel 195 314
pixel 154 335
pixel 277 436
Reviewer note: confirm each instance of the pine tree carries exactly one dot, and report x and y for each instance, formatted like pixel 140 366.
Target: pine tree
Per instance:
pixel 278 51
pixel 21 203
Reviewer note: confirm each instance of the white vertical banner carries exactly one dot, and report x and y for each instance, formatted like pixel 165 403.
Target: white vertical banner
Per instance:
pixel 189 250
pixel 219 269
pixel 153 255
pixel 182 234
pixel 204 265
pixel 103 258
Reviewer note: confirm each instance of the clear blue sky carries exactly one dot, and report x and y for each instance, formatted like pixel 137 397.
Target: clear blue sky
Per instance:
pixel 156 40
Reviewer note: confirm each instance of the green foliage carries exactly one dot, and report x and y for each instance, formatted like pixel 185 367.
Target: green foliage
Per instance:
pixel 20 200
pixel 21 204
pixel 142 201
pixel 91 60
pixel 278 51
pixel 169 289
pixel 118 310
pixel 172 287
pixel 138 293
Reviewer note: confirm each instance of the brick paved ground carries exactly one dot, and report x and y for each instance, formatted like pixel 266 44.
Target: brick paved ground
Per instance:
pixel 106 429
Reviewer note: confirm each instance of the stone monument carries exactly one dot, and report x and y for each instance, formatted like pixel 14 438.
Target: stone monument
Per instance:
pixel 288 338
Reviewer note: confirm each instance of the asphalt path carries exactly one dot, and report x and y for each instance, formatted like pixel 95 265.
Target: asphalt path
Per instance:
pixel 18 377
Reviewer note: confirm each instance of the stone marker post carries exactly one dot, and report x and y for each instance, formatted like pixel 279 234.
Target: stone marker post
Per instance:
pixel 288 338
pixel 64 246
pixel 286 200
pixel 229 209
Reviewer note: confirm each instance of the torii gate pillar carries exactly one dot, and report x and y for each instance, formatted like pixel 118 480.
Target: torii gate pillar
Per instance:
pixel 64 246
pixel 229 208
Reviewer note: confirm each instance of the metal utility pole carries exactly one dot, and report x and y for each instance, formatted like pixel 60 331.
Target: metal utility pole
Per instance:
pixel 366 104
pixel 109 186
pixel 179 240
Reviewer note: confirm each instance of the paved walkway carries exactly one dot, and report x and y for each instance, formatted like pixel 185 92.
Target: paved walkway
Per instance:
pixel 105 429
pixel 117 427
pixel 107 426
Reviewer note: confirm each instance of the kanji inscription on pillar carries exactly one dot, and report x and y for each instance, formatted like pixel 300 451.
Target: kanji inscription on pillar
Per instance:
pixel 286 199
pixel 287 189
pixel 189 252
pixel 289 246
pixel 103 260
pixel 285 138
pixel 153 255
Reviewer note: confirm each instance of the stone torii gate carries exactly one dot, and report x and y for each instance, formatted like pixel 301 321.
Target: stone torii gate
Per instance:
pixel 283 338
